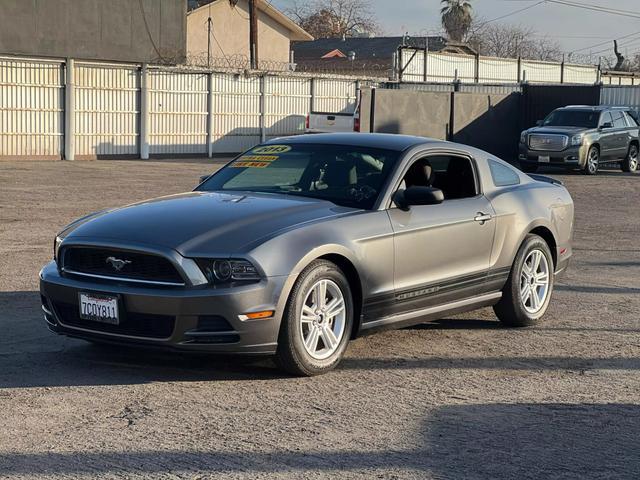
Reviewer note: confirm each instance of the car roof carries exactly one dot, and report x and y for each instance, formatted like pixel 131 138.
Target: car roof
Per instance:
pixel 368 140
pixel 593 108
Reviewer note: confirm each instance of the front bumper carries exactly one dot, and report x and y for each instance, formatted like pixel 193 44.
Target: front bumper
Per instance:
pixel 569 157
pixel 198 319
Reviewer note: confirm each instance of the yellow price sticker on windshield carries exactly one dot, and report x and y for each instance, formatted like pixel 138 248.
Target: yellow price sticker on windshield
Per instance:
pixel 250 164
pixel 258 158
pixel 272 149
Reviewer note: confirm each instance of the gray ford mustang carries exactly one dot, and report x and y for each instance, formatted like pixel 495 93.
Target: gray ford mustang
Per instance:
pixel 303 243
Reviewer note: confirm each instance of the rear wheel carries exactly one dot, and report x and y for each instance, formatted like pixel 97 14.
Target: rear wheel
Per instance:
pixel 317 323
pixel 593 161
pixel 526 295
pixel 630 163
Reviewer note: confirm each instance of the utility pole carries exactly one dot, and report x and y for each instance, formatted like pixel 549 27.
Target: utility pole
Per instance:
pixel 209 42
pixel 253 33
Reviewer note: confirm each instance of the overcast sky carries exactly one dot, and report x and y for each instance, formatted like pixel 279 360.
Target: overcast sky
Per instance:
pixel 563 23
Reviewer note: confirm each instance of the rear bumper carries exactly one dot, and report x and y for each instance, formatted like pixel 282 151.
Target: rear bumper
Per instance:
pixel 569 157
pixel 202 319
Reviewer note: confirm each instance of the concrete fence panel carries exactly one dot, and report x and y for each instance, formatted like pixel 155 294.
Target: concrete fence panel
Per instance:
pixel 178 109
pixel 107 106
pixel 31 108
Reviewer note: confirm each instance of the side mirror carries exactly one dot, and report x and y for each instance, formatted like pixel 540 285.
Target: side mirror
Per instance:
pixel 539 123
pixel 606 125
pixel 418 196
pixel 203 178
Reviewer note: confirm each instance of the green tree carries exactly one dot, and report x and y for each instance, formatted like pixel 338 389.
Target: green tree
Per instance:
pixel 457 17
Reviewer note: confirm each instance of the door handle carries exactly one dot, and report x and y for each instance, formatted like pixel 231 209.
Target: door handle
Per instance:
pixel 482 218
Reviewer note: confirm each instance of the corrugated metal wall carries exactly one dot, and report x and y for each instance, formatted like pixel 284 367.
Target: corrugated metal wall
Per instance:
pixel 178 109
pixel 31 108
pixel 617 95
pixel 580 74
pixel 541 72
pixel 236 112
pixel 107 101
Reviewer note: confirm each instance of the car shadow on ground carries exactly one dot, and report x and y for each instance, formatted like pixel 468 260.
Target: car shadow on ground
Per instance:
pixel 31 356
pixel 488 440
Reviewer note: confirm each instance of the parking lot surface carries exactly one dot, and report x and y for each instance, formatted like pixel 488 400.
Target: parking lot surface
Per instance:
pixel 460 398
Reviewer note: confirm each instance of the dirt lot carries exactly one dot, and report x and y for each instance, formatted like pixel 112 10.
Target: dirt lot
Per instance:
pixel 461 398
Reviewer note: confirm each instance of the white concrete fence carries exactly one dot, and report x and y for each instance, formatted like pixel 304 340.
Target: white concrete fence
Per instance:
pixel 80 110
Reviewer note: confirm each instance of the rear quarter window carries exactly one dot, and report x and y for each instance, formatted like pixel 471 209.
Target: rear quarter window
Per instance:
pixel 502 175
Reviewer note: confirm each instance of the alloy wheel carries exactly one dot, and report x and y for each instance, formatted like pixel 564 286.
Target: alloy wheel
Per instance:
pixel 592 161
pixel 323 319
pixel 633 158
pixel 534 281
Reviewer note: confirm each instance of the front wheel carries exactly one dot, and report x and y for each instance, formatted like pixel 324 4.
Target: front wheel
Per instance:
pixel 593 161
pixel 317 323
pixel 527 293
pixel 630 163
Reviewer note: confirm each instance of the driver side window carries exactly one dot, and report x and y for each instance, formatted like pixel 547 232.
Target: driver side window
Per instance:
pixel 606 118
pixel 454 175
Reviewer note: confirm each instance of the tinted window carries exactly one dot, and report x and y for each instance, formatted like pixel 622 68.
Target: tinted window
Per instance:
pixel 345 175
pixel 606 118
pixel 455 176
pixel 618 119
pixel 502 175
pixel 632 118
pixel 572 118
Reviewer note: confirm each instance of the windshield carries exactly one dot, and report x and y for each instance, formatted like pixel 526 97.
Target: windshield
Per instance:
pixel 345 175
pixel 572 118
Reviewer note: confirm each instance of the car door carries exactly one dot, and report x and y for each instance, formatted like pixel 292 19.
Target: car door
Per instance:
pixel 607 136
pixel 621 138
pixel 442 252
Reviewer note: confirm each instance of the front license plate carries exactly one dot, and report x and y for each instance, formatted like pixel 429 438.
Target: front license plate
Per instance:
pixel 99 308
pixel 544 159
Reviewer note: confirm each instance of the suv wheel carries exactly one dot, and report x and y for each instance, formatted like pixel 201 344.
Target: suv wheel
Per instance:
pixel 527 293
pixel 317 322
pixel 630 163
pixel 593 161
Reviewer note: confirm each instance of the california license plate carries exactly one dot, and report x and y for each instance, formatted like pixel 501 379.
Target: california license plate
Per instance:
pixel 544 159
pixel 99 308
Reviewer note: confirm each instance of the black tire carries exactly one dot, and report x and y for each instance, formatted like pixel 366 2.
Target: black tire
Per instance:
pixel 291 354
pixel 511 310
pixel 630 163
pixel 593 161
pixel 529 167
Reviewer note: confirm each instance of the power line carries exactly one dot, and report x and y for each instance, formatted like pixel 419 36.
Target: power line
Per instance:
pixel 596 8
pixel 146 26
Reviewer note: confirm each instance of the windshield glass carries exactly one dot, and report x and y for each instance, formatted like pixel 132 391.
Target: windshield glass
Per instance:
pixel 345 175
pixel 572 118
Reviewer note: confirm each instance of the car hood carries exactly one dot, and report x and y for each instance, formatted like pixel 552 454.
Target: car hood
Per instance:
pixel 559 130
pixel 204 223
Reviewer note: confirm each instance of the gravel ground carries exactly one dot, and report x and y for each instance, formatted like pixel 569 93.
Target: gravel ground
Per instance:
pixel 460 398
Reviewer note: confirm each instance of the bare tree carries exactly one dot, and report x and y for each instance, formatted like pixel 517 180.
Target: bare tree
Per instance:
pixel 512 41
pixel 334 18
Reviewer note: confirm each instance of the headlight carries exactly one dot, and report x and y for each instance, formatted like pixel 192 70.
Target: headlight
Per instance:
pixel 523 137
pixel 576 140
pixel 56 247
pixel 219 271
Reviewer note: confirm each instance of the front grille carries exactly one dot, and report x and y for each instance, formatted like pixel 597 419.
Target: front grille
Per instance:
pixel 132 324
pixel 135 266
pixel 549 143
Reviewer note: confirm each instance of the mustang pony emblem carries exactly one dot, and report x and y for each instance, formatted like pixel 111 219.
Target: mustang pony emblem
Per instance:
pixel 117 263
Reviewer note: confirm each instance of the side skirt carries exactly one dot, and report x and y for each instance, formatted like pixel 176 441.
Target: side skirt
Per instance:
pixel 430 313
